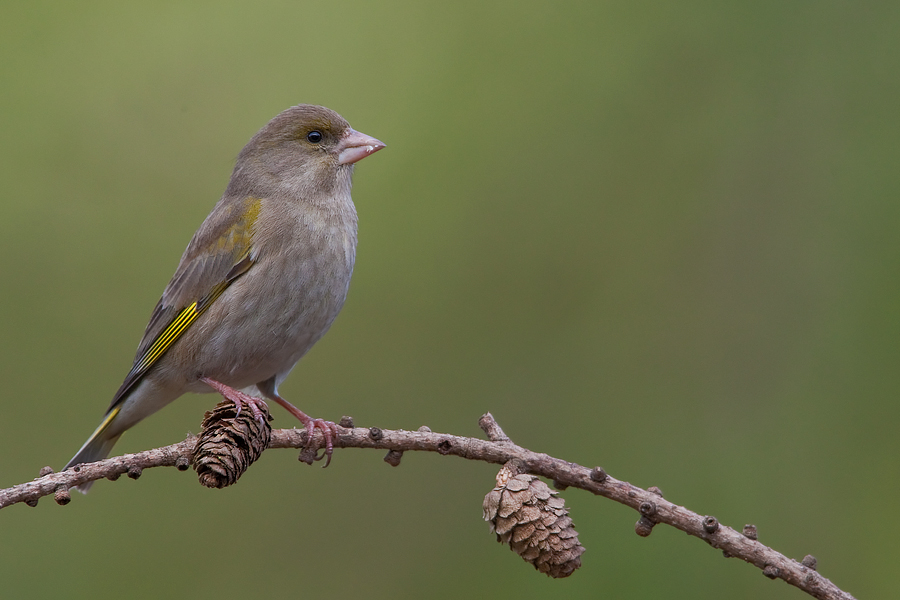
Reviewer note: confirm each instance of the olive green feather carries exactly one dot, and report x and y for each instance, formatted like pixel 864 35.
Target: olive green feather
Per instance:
pixel 215 258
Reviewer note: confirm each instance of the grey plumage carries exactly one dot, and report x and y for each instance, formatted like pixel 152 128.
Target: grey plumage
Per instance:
pixel 267 273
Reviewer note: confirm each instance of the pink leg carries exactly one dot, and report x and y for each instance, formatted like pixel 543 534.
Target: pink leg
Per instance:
pixel 329 429
pixel 237 397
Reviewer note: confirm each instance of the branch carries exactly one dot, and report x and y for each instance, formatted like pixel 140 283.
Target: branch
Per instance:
pixel 650 504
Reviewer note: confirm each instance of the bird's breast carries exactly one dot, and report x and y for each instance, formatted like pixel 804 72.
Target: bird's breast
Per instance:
pixel 274 313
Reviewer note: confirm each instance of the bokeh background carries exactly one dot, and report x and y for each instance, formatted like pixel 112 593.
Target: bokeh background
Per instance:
pixel 657 237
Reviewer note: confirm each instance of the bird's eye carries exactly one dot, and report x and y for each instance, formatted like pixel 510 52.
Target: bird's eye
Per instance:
pixel 314 137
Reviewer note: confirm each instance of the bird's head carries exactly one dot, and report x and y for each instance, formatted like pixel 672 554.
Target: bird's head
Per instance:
pixel 307 149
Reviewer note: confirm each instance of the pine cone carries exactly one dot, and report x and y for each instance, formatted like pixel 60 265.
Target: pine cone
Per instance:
pixel 526 514
pixel 228 445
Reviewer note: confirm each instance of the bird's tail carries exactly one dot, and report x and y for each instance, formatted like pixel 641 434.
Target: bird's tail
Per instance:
pixel 97 447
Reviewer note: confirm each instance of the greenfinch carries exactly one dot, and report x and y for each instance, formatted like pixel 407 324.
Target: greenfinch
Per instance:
pixel 260 282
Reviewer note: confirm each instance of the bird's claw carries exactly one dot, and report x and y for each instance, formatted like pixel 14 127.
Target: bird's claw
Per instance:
pixel 254 408
pixel 238 397
pixel 329 432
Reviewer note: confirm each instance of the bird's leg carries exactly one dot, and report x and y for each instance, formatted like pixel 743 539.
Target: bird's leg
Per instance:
pixel 237 397
pixel 329 428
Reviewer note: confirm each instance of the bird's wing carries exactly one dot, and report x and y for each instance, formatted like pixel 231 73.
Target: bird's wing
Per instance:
pixel 219 253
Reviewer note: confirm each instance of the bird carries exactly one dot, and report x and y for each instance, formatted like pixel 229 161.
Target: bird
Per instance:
pixel 260 282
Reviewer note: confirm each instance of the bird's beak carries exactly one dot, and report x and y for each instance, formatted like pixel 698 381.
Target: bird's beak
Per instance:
pixel 356 146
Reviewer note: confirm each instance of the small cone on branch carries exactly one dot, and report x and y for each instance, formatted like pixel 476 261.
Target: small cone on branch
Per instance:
pixel 229 444
pixel 526 514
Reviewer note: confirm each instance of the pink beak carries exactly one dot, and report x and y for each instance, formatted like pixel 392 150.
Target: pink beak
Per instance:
pixel 356 146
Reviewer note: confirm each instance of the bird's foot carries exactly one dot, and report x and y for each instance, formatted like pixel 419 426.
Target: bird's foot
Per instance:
pixel 237 397
pixel 329 428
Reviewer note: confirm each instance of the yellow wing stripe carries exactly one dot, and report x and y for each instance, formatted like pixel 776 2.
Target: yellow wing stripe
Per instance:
pixel 100 429
pixel 178 326
pixel 106 421
pixel 169 335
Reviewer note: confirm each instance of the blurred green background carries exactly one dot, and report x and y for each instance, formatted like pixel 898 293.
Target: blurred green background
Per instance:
pixel 657 237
